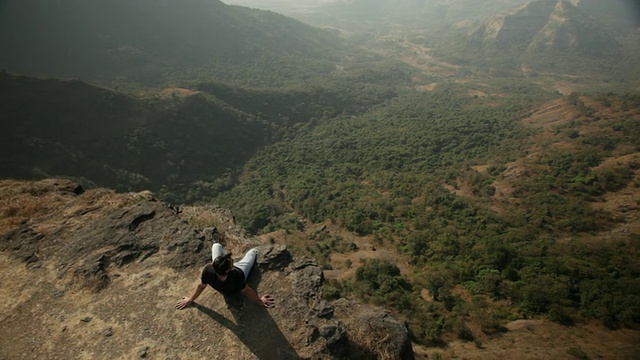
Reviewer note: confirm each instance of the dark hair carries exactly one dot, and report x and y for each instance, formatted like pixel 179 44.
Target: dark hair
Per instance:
pixel 222 263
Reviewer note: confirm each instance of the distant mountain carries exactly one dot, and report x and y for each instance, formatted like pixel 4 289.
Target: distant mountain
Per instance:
pixel 618 16
pixel 545 35
pixel 152 41
pixel 287 7
pixel 516 26
pixel 546 24
pixel 570 32
pixel 418 12
pixel 613 13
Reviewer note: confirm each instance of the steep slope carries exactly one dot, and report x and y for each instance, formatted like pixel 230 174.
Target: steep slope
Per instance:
pixel 569 36
pixel 545 35
pixel 516 27
pixel 182 143
pixel 390 176
pixel 96 274
pixel 152 42
pixel 619 16
pixel 71 128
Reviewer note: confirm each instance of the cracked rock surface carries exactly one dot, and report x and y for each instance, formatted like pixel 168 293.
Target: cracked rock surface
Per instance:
pixel 100 272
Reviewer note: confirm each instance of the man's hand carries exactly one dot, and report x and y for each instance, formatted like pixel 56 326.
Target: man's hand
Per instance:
pixel 183 303
pixel 268 301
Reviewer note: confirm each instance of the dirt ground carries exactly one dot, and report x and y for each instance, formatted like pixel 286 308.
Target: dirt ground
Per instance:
pixel 56 304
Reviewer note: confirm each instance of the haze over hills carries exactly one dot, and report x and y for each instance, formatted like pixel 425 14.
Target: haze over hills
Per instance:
pixel 443 12
pixel 472 166
pixel 516 36
pixel 160 42
pixel 286 7
pixel 150 41
pixel 616 15
pixel 419 11
pixel 550 34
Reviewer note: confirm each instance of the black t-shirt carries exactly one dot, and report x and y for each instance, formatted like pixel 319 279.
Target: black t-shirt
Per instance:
pixel 232 284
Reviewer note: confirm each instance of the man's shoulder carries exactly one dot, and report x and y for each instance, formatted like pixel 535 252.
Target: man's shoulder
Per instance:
pixel 208 272
pixel 237 272
pixel 208 269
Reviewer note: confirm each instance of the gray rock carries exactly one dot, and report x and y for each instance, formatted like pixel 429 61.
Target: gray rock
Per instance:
pixel 92 243
pixel 273 257
pixel 323 308
pixel 337 342
pixel 374 329
pixel 307 279
pixel 108 332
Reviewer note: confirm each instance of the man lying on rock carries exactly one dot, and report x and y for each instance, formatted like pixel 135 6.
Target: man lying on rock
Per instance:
pixel 228 277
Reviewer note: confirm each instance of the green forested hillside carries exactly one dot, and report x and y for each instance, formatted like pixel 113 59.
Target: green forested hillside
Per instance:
pixel 383 162
pixel 347 95
pixel 545 36
pixel 180 145
pixel 52 128
pixel 335 168
pixel 155 42
pixel 462 157
pixel 384 174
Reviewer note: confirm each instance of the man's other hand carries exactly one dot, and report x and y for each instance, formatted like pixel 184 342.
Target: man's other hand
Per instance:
pixel 268 301
pixel 183 303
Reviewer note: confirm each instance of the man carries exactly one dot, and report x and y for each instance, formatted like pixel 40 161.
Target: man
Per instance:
pixel 228 277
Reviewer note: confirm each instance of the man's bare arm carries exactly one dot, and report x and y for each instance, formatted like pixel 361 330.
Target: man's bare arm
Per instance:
pixel 188 301
pixel 267 300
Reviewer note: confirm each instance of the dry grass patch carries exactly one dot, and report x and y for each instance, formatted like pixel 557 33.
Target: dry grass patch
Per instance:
pixel 22 201
pixel 28 201
pixel 375 341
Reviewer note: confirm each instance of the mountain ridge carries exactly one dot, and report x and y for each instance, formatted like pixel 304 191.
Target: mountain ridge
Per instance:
pixel 153 42
pixel 129 139
pixel 546 35
pixel 567 30
pixel 177 139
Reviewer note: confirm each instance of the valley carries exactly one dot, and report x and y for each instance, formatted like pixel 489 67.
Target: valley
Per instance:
pixel 474 168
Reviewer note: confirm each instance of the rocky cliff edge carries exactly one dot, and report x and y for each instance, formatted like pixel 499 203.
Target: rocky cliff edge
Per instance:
pixel 95 275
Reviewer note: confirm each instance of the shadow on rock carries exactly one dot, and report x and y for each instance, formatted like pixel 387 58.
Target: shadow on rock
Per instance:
pixel 256 329
pixel 253 325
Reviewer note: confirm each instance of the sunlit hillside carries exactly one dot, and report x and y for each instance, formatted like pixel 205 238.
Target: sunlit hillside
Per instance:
pixel 471 166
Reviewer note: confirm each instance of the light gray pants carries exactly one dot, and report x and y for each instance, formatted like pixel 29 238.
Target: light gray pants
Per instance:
pixel 245 264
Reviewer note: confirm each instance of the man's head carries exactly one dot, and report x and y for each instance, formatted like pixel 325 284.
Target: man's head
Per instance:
pixel 222 264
